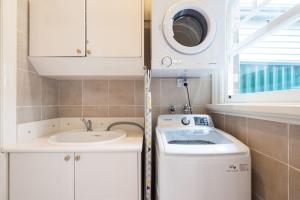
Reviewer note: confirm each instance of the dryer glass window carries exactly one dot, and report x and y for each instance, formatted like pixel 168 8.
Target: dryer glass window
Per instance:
pixel 190 28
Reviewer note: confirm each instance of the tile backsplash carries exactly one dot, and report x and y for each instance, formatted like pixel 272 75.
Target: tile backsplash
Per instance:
pixel 36 95
pixel 275 151
pixel 101 98
pixel 165 92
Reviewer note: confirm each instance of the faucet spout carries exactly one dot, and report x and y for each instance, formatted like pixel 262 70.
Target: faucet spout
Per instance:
pixel 88 124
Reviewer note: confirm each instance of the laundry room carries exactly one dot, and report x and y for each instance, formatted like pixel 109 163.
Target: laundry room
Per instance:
pixel 150 99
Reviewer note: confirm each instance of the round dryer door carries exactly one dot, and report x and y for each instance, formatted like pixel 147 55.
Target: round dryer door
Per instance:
pixel 189 27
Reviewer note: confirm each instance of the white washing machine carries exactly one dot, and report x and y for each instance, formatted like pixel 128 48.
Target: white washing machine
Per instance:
pixel 188 37
pixel 195 161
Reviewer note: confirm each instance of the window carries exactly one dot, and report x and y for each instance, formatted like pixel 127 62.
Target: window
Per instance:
pixel 264 46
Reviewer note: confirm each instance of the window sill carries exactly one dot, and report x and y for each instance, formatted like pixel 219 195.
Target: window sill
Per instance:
pixel 287 113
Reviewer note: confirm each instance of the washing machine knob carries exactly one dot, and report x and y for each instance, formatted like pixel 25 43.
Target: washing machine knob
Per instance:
pixel 185 121
pixel 166 61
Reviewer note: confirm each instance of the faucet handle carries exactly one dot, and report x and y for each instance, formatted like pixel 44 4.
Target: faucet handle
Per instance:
pixel 186 109
pixel 172 109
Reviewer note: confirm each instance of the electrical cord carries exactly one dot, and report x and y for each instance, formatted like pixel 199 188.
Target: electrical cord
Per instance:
pixel 188 96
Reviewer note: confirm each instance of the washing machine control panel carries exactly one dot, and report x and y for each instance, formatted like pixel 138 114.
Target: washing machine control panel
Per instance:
pixel 184 121
pixel 202 121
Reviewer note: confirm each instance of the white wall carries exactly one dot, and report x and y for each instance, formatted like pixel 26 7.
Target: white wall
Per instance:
pixel 8 41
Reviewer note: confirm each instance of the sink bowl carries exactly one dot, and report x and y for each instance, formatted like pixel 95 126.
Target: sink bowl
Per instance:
pixel 81 137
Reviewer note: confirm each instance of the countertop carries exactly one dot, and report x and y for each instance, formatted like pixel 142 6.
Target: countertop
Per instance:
pixel 132 143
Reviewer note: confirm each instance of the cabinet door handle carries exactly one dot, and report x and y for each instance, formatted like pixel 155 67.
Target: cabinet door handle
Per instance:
pixel 77 158
pixel 67 158
pixel 78 51
pixel 88 51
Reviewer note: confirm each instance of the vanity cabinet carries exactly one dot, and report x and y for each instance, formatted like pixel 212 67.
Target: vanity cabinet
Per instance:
pixel 41 176
pixel 107 176
pixel 87 37
pixel 75 176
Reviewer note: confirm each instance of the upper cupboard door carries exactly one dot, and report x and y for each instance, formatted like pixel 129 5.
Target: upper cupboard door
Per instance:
pixel 57 28
pixel 114 28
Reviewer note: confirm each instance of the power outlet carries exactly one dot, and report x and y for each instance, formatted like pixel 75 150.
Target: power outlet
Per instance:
pixel 180 82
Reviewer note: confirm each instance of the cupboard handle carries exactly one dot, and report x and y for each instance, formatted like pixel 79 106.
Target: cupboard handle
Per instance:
pixel 77 158
pixel 88 51
pixel 67 158
pixel 78 51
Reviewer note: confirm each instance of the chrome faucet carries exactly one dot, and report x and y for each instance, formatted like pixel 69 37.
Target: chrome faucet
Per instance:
pixel 186 109
pixel 88 124
pixel 172 109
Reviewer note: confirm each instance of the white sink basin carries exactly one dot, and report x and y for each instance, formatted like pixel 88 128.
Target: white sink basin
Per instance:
pixel 81 137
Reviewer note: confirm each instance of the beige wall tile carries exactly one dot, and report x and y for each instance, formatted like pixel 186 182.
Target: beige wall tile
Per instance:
pixel 218 120
pixel 237 127
pixel 269 137
pixel 22 53
pixel 50 112
pixel 199 110
pixel 121 111
pixel 95 92
pixel 70 92
pixel 70 111
pixel 28 114
pixel 155 91
pixel 49 91
pixel 29 89
pixel 269 178
pixel 121 92
pixel 170 94
pixel 200 91
pixel 139 92
pixel 294 149
pixel 95 111
pixel 139 111
pixel 294 188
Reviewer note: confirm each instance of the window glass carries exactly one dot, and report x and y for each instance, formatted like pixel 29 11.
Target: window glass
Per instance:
pixel 256 14
pixel 272 62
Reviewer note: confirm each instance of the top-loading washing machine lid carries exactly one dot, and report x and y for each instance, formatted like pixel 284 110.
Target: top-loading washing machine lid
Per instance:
pixel 203 136
pixel 189 27
pixel 199 141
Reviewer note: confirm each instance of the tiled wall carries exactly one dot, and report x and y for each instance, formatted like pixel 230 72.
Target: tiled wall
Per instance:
pixel 165 92
pixel 101 98
pixel 275 151
pixel 37 97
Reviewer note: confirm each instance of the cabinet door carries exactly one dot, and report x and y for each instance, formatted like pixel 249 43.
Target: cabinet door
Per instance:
pixel 107 176
pixel 57 28
pixel 41 176
pixel 114 28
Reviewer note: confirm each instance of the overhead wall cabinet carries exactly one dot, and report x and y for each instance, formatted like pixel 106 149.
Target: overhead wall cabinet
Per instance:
pixel 75 176
pixel 87 37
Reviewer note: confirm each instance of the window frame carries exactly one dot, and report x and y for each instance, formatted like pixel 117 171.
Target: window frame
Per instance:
pixel 291 96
